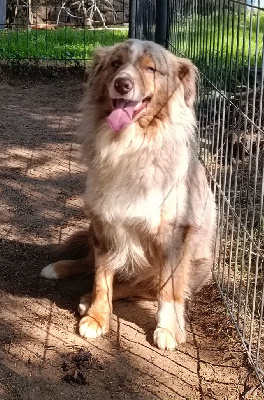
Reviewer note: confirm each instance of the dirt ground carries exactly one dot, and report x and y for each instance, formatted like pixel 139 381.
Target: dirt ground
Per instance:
pixel 41 353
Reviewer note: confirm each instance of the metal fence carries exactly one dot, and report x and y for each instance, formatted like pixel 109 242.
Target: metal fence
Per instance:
pixel 49 32
pixel 225 40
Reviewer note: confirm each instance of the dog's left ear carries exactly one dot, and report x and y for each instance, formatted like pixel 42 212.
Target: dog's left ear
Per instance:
pixel 187 73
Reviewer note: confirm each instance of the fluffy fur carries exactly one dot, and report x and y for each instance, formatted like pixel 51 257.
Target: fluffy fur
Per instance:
pixel 152 231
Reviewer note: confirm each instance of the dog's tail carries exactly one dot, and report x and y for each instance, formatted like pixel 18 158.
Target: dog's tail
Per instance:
pixel 76 255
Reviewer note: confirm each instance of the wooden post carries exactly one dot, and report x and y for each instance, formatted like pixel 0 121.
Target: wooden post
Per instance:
pixel 30 15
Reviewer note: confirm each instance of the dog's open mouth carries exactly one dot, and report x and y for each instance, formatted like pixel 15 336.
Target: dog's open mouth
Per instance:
pixel 124 112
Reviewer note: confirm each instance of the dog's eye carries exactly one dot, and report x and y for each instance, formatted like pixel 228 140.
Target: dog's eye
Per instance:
pixel 116 63
pixel 151 69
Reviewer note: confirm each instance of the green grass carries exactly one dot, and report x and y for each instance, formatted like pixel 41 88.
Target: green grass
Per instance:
pixel 220 43
pixel 74 46
pixel 217 43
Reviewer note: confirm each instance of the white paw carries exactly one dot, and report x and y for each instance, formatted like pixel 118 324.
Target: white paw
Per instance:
pixel 170 325
pixel 82 309
pixel 85 304
pixel 90 328
pixel 164 339
pixel 49 272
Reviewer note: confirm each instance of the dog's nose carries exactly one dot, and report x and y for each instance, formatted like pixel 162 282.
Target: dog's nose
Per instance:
pixel 123 85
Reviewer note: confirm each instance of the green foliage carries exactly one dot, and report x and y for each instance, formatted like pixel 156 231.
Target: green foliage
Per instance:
pixel 221 44
pixel 70 45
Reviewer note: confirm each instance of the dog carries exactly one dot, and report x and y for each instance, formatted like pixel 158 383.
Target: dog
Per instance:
pixel 152 213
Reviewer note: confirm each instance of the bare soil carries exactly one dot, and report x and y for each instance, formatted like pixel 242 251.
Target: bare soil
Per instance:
pixel 41 353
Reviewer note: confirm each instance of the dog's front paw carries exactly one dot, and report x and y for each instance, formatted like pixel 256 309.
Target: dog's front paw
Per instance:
pixel 92 326
pixel 170 325
pixel 164 339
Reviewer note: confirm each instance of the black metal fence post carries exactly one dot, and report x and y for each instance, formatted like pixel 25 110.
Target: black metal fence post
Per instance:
pixel 132 19
pixel 161 33
pixel 2 14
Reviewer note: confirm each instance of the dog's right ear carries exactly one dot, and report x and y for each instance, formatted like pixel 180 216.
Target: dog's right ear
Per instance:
pixel 100 58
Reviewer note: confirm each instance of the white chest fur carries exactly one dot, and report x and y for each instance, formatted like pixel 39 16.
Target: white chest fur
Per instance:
pixel 132 176
pixel 122 203
pixel 133 182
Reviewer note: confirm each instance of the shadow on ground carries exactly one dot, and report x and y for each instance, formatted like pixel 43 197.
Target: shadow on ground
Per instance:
pixel 41 354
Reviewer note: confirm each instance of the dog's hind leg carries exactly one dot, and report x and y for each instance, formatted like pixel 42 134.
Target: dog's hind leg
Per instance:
pixel 126 291
pixel 120 291
pixel 77 257
pixel 66 268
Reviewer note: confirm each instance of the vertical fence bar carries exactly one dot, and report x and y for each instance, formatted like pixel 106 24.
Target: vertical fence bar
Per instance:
pixel 161 34
pixel 2 14
pixel 132 19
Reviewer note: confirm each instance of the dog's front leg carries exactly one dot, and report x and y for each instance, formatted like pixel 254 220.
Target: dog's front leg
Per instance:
pixel 96 322
pixel 170 329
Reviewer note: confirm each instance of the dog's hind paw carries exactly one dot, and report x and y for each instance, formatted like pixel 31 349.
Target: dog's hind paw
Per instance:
pixel 165 340
pixel 49 272
pixel 85 304
pixel 92 327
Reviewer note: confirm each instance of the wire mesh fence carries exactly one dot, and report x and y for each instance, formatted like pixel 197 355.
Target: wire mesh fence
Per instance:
pixel 142 19
pixel 225 40
pixel 48 32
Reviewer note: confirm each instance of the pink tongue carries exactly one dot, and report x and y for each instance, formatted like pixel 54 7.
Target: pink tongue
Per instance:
pixel 122 114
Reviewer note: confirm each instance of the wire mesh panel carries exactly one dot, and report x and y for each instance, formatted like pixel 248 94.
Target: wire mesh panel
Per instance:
pixel 225 40
pixel 60 31
pixel 142 19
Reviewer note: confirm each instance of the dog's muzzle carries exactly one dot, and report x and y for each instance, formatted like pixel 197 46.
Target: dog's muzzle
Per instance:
pixel 123 85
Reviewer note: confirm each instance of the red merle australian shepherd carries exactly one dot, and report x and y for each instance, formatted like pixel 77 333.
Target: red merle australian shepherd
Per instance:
pixel 152 214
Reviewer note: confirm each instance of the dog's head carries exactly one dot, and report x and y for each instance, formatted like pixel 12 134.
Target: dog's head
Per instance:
pixel 135 81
